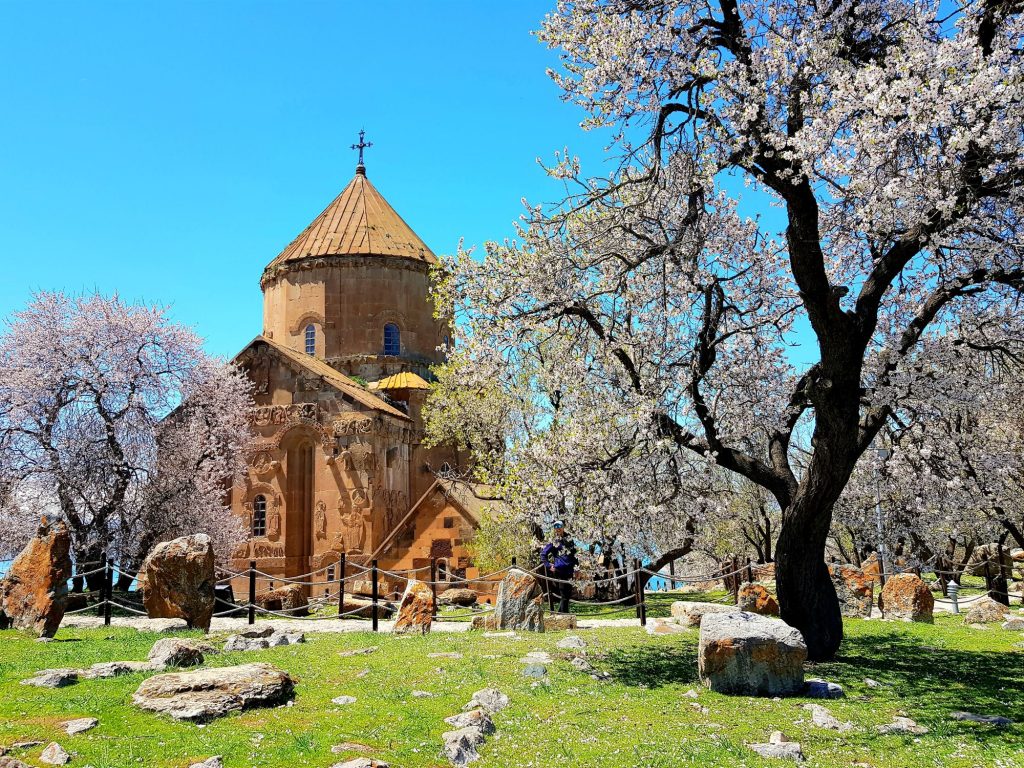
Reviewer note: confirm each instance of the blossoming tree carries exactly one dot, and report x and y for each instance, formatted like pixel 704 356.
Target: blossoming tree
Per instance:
pixel 647 317
pixel 114 420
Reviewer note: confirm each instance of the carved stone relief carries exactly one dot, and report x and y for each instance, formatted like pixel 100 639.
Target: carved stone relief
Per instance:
pixel 320 519
pixel 260 371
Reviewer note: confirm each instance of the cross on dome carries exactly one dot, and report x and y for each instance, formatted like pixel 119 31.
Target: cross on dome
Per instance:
pixel 361 168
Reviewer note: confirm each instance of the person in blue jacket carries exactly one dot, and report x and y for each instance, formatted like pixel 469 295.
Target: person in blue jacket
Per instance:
pixel 559 560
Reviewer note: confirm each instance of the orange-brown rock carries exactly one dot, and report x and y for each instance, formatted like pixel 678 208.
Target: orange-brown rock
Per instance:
pixel 559 622
pixel 290 599
pixel 177 581
pixel 763 571
pixel 755 598
pixel 415 612
pixel 853 589
pixel 750 655
pixel 905 596
pixel 872 570
pixel 32 595
pixel 520 603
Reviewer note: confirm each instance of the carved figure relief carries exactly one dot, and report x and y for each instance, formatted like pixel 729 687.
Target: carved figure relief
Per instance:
pixel 364 459
pixel 345 460
pixel 274 524
pixel 263 463
pixel 353 424
pixel 262 549
pixel 360 499
pixel 283 414
pixel 260 371
pixel 320 519
pixel 308 382
pixel 353 532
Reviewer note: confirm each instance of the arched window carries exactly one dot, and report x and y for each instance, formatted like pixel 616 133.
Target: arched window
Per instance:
pixel 392 339
pixel 259 516
pixel 310 339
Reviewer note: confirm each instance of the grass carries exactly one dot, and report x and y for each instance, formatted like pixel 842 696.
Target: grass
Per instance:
pixel 637 718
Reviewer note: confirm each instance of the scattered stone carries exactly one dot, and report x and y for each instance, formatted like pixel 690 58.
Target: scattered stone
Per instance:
pixel 107 669
pixel 457 596
pixel 747 654
pixel 535 670
pixel 52 678
pixel 822 718
pixel 490 700
pixel 177 581
pixel 502 635
pixel 691 694
pixel 341 701
pixel 986 611
pixel 26 744
pixel 415 612
pixel 33 594
pixel 581 664
pixel 261 639
pixel 474 718
pixel 10 762
pixel 460 745
pixel 1014 624
pixel 445 655
pixel 902 725
pixel 665 627
pixel 907 598
pixel 571 642
pixel 282 637
pixel 350 746
pixel 690 613
pixel 209 693
pixel 999 722
pixel 289 599
pixel 361 762
pixel 853 589
pixel 819 689
pixel 357 651
pixel 79 725
pixel 537 656
pixel 872 683
pixel 422 695
pixel 559 622
pixel 755 598
pixel 210 762
pixel 520 603
pixel 179 652
pixel 54 754
pixel 779 746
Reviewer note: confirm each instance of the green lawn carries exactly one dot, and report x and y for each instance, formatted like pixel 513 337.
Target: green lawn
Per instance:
pixel 638 718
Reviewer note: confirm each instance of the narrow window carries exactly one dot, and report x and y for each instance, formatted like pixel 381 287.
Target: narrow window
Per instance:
pixel 392 339
pixel 449 522
pixel 259 516
pixel 310 339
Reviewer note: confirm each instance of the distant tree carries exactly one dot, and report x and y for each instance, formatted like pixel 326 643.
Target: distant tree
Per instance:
pixel 889 135
pixel 114 420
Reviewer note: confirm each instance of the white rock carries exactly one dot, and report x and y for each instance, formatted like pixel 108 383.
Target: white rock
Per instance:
pixel 210 762
pixel 490 700
pixel 79 725
pixel 343 700
pixel 54 754
pixel 571 642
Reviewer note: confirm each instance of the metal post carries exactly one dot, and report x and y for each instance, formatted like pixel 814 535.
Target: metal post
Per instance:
pixel 883 454
pixel 103 586
pixel 108 583
pixel 636 585
pixel 953 590
pixel 373 592
pixel 643 596
pixel 341 584
pixel 433 585
pixel 672 575
pixel 252 591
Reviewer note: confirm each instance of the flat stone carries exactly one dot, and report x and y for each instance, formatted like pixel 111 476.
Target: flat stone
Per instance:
pixel 535 670
pixel 53 678
pixel 789 750
pixel 542 657
pixel 10 762
pixel 210 762
pixel 690 612
pixel 445 655
pixel 474 718
pixel 581 664
pixel 79 725
pixel 490 700
pixel 665 627
pixel 179 652
pixel 871 683
pixel 822 718
pixel 902 725
pixel 357 651
pixel 343 700
pixel 107 669
pixel 970 717
pixel 460 745
pixel 572 642
pixel 422 695
pixel 350 746
pixel 361 762
pixel 820 689
pixel 54 754
pixel 209 693
pixel 1014 624
pixel 509 635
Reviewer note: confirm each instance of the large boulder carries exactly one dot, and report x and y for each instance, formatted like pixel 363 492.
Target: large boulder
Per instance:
pixel 520 603
pixel 744 653
pixel 33 594
pixel 985 611
pixel 208 693
pixel 853 589
pixel 289 599
pixel 872 569
pixel 559 622
pixel 416 610
pixel 690 612
pixel 457 596
pixel 995 556
pixel 906 597
pixel 177 581
pixel 755 598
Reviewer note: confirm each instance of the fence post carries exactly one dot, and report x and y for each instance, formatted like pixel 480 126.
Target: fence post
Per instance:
pixel 642 594
pixel 103 587
pixel 988 575
pixel 341 584
pixel 252 591
pixel 108 583
pixel 373 592
pixel 433 585
pixel 636 585
pixel 672 575
pixel 750 571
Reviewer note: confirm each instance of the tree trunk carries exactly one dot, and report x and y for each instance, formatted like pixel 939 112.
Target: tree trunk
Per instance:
pixel 807 597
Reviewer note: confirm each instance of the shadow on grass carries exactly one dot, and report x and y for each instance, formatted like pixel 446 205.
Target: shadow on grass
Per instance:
pixel 653 665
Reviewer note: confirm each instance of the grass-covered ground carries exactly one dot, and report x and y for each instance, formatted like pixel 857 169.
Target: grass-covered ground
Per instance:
pixel 638 718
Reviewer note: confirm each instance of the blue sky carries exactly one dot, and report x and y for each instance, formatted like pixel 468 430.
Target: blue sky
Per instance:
pixel 169 151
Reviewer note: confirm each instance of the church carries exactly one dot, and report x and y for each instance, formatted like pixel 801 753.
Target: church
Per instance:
pixel 340 375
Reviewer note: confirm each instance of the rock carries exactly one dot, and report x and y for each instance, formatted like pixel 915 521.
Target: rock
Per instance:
pixel 177 581
pixel 10 762
pixel 108 669
pixel 985 611
pixel 179 652
pixel 853 589
pixel 535 670
pixel 744 653
pixel 559 622
pixel 474 718
pixel 537 656
pixel 361 762
pixel 996 556
pixel 571 642
pixel 457 596
pixel 79 725
pixel 822 718
pixel 289 599
pixel 872 570
pixel 490 700
pixel 281 637
pixel 906 597
pixel 341 701
pixel 54 754
pixel 445 655
pixel 819 689
pixel 582 665
pixel 690 612
pixel 210 762
pixel 415 612
pixel 755 598
pixel 357 651
pixel 665 627
pixel 1014 624
pixel 460 745
pixel 520 603
pixel 261 639
pixel 209 693
pixel 786 750
pixel 350 746
pixel 999 722
pixel 872 683
pixel 902 725
pixel 33 594
pixel 53 678
pixel 421 695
